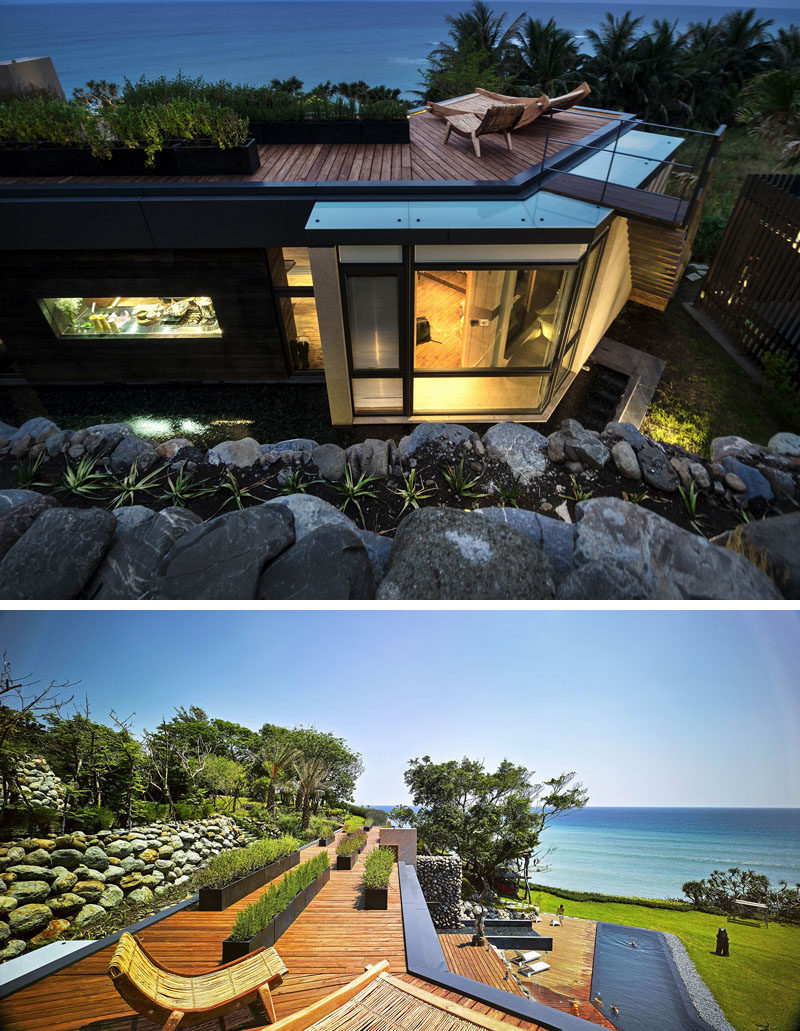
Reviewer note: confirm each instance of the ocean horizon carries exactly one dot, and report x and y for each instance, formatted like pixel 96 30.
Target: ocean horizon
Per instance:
pixel 650 852
pixel 383 42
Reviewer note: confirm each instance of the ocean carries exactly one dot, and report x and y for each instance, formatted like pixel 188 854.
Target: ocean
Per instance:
pixel 651 853
pixel 382 42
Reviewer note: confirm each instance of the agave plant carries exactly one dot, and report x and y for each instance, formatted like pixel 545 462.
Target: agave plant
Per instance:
pixel 412 491
pixel 131 487
pixel 354 491
pixel 82 480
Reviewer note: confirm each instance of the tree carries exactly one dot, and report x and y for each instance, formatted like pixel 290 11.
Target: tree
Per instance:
pixel 454 73
pixel 770 106
pixel 278 757
pixel 547 58
pixel 312 778
pixel 223 776
pixel 344 765
pixel 487 818
pixel 613 65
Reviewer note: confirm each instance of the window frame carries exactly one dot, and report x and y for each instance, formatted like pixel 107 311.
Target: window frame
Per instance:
pixel 288 292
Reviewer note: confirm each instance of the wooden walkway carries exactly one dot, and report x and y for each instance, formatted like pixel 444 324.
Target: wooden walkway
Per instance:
pixel 425 158
pixel 327 946
pixel 475 962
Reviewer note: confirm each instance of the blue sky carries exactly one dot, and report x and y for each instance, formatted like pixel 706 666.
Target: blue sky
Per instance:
pixel 650 708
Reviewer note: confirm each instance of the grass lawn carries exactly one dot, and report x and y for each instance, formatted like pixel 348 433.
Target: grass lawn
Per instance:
pixel 758 984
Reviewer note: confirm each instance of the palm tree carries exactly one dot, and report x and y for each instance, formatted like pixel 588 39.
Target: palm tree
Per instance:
pixel 313 775
pixel 481 29
pixel 663 74
pixel 278 757
pixel 785 48
pixel 548 59
pixel 612 67
pixel 771 108
pixel 744 38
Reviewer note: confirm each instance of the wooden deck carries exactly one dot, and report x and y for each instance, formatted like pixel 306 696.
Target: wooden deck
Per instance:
pixel 425 158
pixel 475 962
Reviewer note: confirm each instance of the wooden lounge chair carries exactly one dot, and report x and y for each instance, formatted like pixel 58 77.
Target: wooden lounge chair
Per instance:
pixel 481 100
pixel 500 118
pixel 172 999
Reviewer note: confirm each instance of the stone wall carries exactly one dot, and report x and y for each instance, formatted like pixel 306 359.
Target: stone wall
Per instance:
pixel 440 880
pixel 70 881
pixel 38 784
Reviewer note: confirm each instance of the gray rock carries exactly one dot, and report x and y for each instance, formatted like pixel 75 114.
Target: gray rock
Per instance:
pixel 628 432
pixel 224 558
pixel 35 428
pixel 13 498
pixel 781 444
pixel 700 475
pixel 556 446
pixel 378 549
pixel 735 483
pixel 656 470
pixel 169 448
pixel 112 896
pixel 604 580
pixel 772 545
pixel 554 537
pixel 14 948
pixel 445 436
pixel 90 914
pixel 584 447
pixel 56 441
pixel 65 881
pixel 329 460
pixel 724 447
pixel 28 872
pixel 672 563
pixel 21 447
pixel 141 895
pixel 310 512
pixel 16 521
pixel 27 920
pixel 331 562
pixel 6 431
pixel 782 483
pixel 129 517
pixel 240 453
pixel 755 484
pixel 374 458
pixel 110 430
pixel 130 450
pixel 58 554
pixel 68 902
pixel 625 460
pixel 681 467
pixel 295 444
pixel 524 450
pixel 95 858
pixel 441 553
pixel 28 891
pixel 131 566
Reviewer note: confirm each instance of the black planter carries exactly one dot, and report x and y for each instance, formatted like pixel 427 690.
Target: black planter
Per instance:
pixel 386 132
pixel 376 898
pixel 15 161
pixel 214 899
pixel 196 159
pixel 281 132
pixel 327 841
pixel 48 160
pixel 336 132
pixel 346 862
pixel 236 949
pixel 133 161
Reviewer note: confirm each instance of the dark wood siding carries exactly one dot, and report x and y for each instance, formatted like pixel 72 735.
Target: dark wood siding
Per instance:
pixel 250 348
pixel 753 287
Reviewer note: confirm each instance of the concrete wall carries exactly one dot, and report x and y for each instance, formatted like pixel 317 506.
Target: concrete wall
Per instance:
pixel 612 287
pixel 30 73
pixel 327 294
pixel 406 840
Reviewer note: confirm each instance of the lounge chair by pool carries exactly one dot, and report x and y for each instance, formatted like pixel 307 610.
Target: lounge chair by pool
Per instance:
pixel 534 968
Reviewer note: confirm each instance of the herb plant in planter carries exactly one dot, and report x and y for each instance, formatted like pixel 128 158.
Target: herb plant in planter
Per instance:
pixel 348 850
pixel 377 871
pixel 265 920
pixel 232 875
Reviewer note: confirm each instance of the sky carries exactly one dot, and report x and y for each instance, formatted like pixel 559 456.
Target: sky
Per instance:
pixel 649 708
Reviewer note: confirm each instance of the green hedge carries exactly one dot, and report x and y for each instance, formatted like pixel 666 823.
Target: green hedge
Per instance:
pixel 276 898
pixel 239 862
pixel 594 896
pixel 378 868
pixel 351 844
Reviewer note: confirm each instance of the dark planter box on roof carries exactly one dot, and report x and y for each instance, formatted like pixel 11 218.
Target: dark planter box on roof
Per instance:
pixel 376 898
pixel 215 899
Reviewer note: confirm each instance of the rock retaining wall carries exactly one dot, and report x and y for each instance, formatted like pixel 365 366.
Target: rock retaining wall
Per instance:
pixel 440 880
pixel 53 884
pixel 300 547
pixel 38 784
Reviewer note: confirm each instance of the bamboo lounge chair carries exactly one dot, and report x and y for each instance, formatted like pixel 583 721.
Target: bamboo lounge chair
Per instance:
pixel 500 118
pixel 481 100
pixel 172 999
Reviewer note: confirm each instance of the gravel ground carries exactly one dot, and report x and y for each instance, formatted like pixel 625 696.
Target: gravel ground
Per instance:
pixel 702 999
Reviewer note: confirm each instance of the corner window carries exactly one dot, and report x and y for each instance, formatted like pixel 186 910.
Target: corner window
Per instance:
pixel 290 272
pixel 82 317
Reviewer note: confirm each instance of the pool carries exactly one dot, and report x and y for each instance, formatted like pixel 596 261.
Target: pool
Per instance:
pixel 643 982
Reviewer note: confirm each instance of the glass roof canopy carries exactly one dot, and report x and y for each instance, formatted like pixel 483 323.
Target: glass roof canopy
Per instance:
pixel 542 211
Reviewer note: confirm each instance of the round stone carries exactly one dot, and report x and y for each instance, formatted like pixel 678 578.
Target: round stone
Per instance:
pixel 55 929
pixel 29 891
pixel 69 902
pixel 90 890
pixel 112 896
pixel 141 895
pixel 27 920
pixel 95 858
pixel 90 914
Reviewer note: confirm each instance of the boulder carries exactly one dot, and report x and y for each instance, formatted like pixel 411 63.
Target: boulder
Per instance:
pixel 130 450
pixel 68 902
pixel 95 858
pixel 700 475
pixel 522 449
pixel 7 431
pixel 444 436
pixel 756 485
pixel 785 444
pixel 330 563
pixel 110 430
pixel 672 563
pixel 112 896
pixel 89 890
pixel 723 447
pixel 294 444
pixel 171 447
pixel 131 564
pixel 224 558
pixel 57 556
pixel 240 453
pixel 378 549
pixel 118 849
pixel 626 461
pixel 782 483
pixel 310 512
pixel 15 947
pixel 553 537
pixel 28 891
pixel 441 553
pixel 603 580
pixel 628 432
pixel 773 545
pixel 131 880
pixel 13 498
pixel 7 903
pixel 585 448
pixel 65 881
pixel 54 930
pixel 329 460
pixel 26 920
pixel 656 469
pixel 36 427
pixel 141 895
pixel 16 521
pixel 68 857
pixel 735 483
pixel 56 442
pixel 90 914
pixel 26 872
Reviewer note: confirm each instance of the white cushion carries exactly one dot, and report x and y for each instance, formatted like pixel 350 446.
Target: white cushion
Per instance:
pixel 528 957
pixel 534 968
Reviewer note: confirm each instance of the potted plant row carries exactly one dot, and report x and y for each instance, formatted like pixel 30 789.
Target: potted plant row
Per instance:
pixel 377 871
pixel 349 849
pixel 232 875
pixel 331 131
pixel 263 922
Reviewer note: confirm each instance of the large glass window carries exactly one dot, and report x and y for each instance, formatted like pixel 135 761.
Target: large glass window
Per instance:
pixel 290 271
pixel 489 318
pixel 72 317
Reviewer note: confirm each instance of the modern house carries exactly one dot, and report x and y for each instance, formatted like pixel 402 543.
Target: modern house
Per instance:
pixel 421 281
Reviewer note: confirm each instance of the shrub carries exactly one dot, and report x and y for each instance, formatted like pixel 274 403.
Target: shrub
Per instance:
pixel 594 896
pixel 53 122
pixel 352 825
pixel 276 898
pixel 378 868
pixel 235 863
pixel 351 844
pixel 93 818
pixel 193 810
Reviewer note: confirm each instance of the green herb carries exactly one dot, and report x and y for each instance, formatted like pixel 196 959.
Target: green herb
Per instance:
pixel 255 917
pixel 577 493
pixel 183 488
pixel 82 479
pixel 236 492
pixel 351 844
pixel 509 495
pixel 378 868
pixel 27 468
pixel 355 491
pixel 130 488
pixel 229 866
